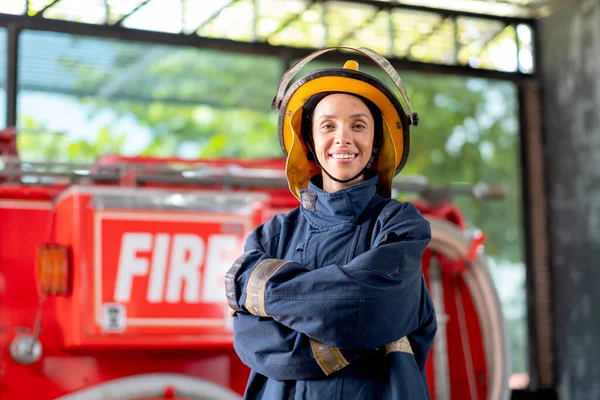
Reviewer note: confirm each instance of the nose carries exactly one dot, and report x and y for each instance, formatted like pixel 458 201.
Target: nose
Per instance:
pixel 343 135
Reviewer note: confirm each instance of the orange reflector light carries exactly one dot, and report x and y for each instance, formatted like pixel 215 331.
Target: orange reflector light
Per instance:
pixel 53 269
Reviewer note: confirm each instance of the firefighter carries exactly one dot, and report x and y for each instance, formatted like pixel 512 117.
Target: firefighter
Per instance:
pixel 329 300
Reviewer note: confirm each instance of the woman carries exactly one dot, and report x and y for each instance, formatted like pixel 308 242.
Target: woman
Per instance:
pixel 329 299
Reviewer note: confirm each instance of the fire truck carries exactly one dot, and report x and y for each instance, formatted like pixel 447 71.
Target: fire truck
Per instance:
pixel 111 279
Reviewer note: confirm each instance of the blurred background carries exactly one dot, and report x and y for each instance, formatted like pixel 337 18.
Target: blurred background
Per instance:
pixel 496 85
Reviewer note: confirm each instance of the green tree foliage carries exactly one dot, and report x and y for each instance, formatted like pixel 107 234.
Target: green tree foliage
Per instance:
pixel 37 142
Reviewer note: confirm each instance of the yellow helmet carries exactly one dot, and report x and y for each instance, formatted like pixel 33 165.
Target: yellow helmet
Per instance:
pixel 395 140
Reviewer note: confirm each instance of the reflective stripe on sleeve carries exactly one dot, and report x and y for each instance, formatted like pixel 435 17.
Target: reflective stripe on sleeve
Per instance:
pixel 255 289
pixel 230 277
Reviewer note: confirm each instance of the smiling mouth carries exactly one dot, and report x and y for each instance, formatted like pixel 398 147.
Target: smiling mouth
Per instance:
pixel 346 156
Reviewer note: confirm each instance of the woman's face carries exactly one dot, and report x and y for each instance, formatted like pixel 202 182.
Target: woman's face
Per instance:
pixel 343 131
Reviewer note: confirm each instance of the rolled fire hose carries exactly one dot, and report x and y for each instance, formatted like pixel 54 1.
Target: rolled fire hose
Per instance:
pixel 153 385
pixel 448 240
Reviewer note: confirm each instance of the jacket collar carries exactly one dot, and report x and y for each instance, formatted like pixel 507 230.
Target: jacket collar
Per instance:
pixel 345 205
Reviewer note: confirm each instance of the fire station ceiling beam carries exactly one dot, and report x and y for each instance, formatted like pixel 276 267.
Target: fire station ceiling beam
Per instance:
pixel 255 48
pixel 213 16
pixel 423 38
pixel 493 35
pixel 291 19
pixel 130 13
pixel 106 12
pixel 48 6
pixel 441 11
pixel 354 31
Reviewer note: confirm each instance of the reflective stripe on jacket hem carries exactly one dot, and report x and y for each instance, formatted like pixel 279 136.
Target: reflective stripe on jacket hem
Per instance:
pixel 330 359
pixel 401 345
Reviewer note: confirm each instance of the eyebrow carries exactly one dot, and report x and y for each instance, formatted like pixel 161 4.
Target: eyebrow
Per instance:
pixel 351 116
pixel 326 116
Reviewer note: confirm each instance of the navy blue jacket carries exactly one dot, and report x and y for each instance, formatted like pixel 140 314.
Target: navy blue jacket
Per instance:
pixel 331 299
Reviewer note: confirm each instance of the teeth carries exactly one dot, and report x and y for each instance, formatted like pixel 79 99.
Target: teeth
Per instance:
pixel 340 156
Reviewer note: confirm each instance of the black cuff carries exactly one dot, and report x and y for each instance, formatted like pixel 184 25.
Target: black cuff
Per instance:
pixel 231 289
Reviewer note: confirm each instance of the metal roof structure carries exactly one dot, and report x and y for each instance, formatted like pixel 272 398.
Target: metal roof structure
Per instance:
pixel 475 33
pixel 46 40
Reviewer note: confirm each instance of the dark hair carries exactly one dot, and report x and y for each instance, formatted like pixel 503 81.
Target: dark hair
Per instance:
pixel 308 109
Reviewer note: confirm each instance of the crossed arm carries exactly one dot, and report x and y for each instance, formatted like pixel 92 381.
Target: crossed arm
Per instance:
pixel 292 322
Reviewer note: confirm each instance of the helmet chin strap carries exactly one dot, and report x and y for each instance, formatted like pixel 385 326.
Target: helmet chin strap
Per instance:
pixel 342 180
pixel 362 171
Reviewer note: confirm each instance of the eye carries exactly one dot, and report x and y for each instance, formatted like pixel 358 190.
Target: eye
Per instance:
pixel 327 126
pixel 359 126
